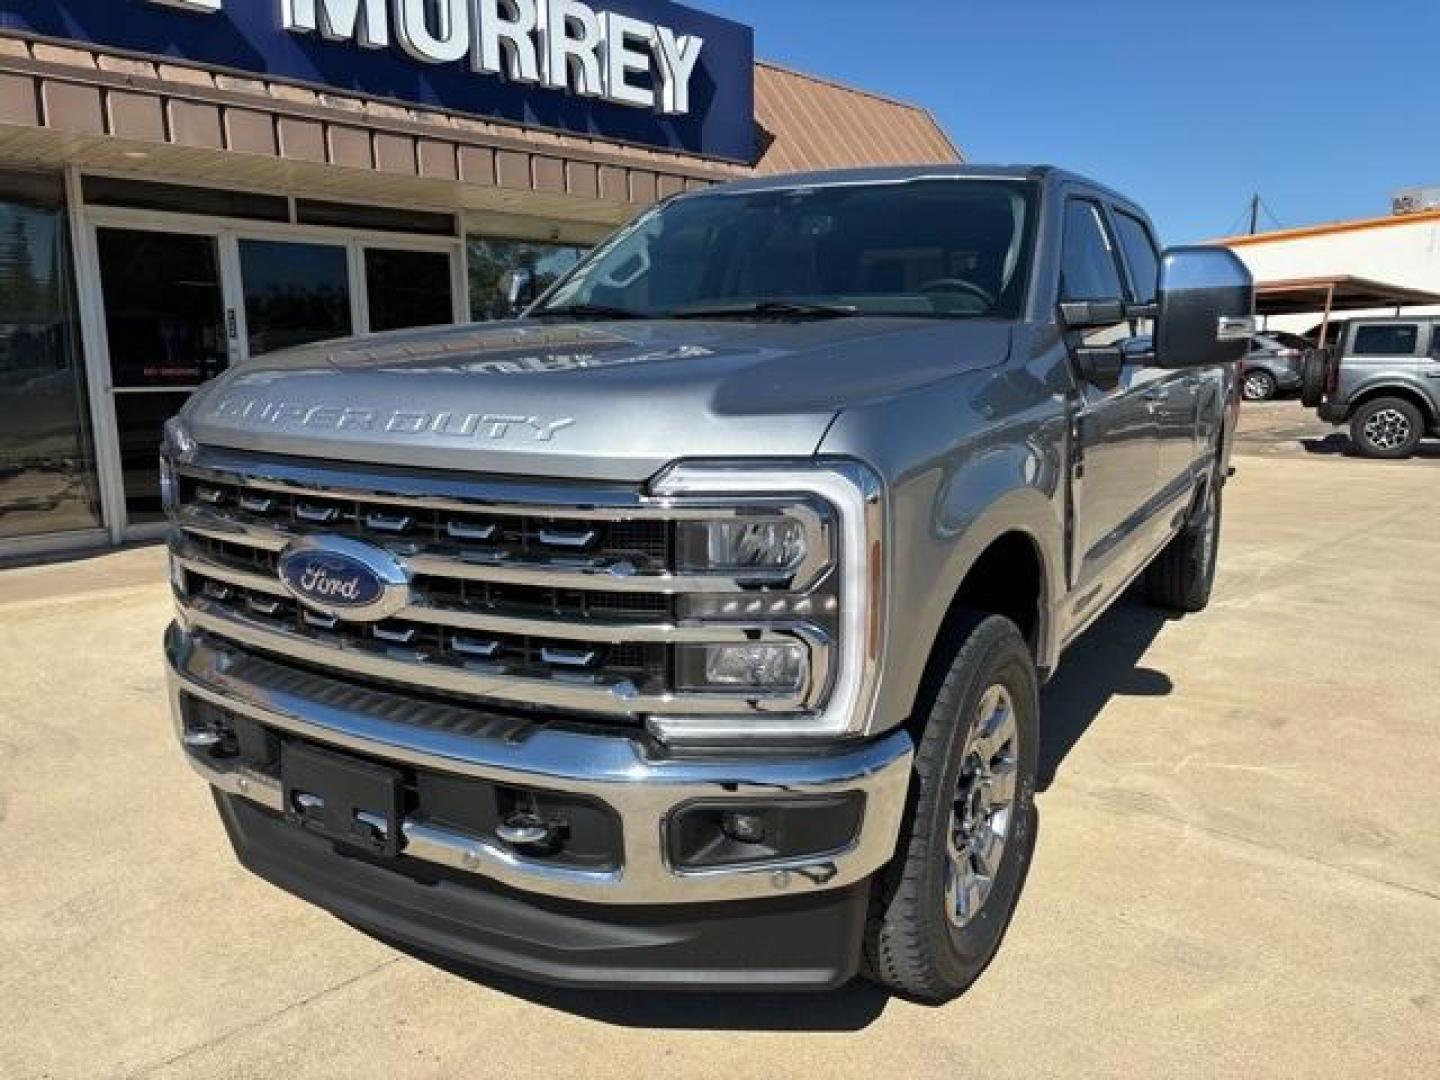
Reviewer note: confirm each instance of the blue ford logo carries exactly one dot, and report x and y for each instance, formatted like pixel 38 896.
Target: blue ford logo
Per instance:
pixel 345 578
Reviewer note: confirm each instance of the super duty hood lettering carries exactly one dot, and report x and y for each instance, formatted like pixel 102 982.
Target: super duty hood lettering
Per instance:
pixel 259 411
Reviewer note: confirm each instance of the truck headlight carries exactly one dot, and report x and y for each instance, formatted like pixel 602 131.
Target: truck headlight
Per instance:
pixel 767 543
pixel 784 570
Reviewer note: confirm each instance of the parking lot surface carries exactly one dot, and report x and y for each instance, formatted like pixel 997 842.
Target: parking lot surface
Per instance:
pixel 1238 870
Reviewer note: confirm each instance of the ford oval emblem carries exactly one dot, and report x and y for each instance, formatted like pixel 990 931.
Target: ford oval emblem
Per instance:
pixel 345 578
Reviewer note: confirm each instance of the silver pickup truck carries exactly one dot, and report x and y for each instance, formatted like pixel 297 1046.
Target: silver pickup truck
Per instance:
pixel 688 630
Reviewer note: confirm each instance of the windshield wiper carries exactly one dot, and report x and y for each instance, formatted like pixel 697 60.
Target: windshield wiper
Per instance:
pixel 588 311
pixel 769 309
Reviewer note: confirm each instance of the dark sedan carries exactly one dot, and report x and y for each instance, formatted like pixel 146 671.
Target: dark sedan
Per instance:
pixel 1273 366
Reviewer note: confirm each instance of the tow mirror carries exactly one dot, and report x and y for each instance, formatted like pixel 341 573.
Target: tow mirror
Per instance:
pixel 1205 311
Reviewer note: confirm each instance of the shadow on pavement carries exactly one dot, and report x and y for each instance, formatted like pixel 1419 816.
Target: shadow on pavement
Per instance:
pixel 1339 445
pixel 1102 664
pixel 851 1008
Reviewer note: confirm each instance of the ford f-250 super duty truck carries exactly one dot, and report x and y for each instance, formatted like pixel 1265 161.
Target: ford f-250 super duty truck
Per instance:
pixel 688 630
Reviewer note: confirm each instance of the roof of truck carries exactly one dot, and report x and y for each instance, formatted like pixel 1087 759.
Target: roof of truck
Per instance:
pixel 899 174
pixel 886 174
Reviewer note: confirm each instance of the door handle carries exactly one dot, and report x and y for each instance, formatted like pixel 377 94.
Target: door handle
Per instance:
pixel 1156 395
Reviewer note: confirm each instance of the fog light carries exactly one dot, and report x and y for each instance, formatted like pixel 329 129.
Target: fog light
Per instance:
pixel 746 828
pixel 743 667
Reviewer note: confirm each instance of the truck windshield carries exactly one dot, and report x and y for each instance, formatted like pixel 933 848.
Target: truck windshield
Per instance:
pixel 929 248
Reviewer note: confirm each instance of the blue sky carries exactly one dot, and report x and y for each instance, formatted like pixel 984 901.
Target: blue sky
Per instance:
pixel 1322 106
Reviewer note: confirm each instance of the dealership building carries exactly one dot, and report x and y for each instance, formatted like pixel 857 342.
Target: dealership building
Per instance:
pixel 186 184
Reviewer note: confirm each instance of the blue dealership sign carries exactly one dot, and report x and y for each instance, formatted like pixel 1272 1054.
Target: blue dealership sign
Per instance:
pixel 650 72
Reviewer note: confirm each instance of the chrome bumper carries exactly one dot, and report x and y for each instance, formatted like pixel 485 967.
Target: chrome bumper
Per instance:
pixel 620 769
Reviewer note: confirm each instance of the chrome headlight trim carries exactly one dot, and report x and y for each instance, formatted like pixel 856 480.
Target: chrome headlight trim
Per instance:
pixel 856 496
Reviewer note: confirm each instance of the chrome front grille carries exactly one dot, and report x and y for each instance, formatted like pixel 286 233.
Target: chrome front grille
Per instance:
pixel 446 532
pixel 417 642
pixel 568 598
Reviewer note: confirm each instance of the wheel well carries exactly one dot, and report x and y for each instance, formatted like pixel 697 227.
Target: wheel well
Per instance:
pixel 1415 397
pixel 1008 579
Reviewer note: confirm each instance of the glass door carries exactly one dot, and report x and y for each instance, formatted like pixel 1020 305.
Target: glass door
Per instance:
pixel 182 303
pixel 295 294
pixel 166 331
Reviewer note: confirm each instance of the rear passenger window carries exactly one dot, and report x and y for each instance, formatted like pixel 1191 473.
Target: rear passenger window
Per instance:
pixel 1088 270
pixel 1398 339
pixel 1144 261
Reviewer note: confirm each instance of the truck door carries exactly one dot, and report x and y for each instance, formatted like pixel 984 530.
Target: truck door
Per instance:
pixel 1175 396
pixel 1116 471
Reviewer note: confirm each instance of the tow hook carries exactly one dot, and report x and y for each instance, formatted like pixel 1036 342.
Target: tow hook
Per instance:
pixel 522 829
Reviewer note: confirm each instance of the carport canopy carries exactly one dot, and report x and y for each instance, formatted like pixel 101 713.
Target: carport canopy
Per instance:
pixel 1327 295
pixel 1298 296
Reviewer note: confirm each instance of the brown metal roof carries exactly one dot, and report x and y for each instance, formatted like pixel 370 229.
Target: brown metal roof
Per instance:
pixel 811 123
pixel 1296 296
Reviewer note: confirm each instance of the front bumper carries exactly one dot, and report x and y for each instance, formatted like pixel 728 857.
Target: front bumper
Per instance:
pixel 810 941
pixel 642 784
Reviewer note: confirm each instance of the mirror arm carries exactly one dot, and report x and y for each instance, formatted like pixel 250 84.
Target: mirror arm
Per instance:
pixel 1102 367
pixel 1085 314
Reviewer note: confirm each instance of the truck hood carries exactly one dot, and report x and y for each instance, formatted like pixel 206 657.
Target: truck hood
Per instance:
pixel 602 401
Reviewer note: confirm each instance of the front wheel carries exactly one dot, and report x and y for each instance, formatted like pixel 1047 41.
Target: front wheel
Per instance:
pixel 1183 575
pixel 1258 386
pixel 942 907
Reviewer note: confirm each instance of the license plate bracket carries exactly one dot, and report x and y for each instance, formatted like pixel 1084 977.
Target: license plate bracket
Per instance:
pixel 345 799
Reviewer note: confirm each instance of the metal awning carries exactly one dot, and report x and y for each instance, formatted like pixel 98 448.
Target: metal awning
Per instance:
pixel 1300 296
pixel 1327 295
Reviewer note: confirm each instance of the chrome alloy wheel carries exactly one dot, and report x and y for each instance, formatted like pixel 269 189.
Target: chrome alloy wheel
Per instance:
pixel 1388 429
pixel 1256 387
pixel 984 809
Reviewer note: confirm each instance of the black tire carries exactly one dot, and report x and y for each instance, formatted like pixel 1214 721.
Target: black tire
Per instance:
pixel 1387 427
pixel 912 946
pixel 1183 575
pixel 1312 378
pixel 1257 384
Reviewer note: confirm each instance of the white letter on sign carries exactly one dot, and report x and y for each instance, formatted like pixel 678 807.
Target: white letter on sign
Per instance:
pixel 509 32
pixel 678 57
pixel 203 7
pixel 361 21
pixel 626 52
pixel 573 48
pixel 448 42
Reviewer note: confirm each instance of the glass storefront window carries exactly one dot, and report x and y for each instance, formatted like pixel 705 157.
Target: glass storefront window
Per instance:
pixel 47 461
pixel 295 293
pixel 408 288
pixel 164 312
pixel 491 259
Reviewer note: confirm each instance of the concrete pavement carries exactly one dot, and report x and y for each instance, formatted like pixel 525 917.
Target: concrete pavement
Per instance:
pixel 1238 870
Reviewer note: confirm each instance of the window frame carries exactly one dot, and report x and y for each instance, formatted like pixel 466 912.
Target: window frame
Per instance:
pixel 1147 231
pixel 1097 204
pixel 1414 352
